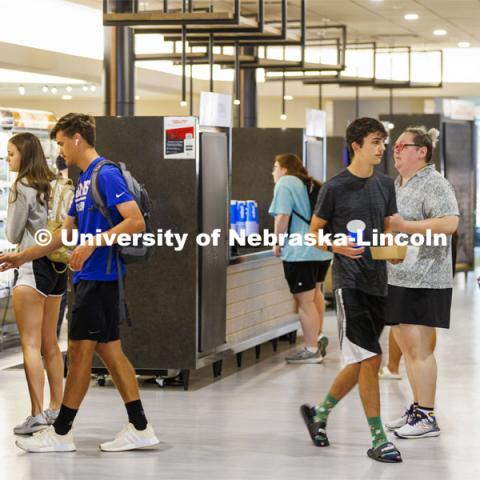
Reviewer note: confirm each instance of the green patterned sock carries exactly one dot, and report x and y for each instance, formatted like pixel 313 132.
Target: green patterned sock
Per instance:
pixel 377 432
pixel 323 409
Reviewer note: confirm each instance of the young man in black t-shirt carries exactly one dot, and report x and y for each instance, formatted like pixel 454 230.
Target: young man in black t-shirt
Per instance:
pixel 360 283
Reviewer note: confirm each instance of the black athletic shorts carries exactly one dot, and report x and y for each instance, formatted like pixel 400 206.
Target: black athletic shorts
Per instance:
pixel 361 318
pixel 419 306
pixel 95 312
pixel 303 276
pixel 42 275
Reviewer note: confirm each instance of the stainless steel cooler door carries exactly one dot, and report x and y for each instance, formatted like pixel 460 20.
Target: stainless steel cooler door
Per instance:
pixel 315 159
pixel 213 259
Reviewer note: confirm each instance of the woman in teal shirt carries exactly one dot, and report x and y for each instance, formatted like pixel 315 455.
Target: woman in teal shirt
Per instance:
pixel 304 266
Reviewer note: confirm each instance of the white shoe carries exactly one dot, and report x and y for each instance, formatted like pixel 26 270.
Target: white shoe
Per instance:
pixel 50 415
pixel 31 425
pixel 401 421
pixel 129 438
pixel 47 441
pixel 419 426
pixel 386 374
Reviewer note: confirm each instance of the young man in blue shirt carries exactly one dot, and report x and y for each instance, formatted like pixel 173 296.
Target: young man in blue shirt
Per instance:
pixel 95 315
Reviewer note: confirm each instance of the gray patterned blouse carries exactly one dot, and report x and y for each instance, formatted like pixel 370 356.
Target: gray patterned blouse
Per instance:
pixel 426 195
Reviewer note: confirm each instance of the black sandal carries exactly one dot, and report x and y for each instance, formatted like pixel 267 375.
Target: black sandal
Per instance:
pixel 386 453
pixel 317 430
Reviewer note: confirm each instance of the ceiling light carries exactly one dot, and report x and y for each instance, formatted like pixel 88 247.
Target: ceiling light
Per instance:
pixel 183 103
pixel 44 89
pixel 391 126
pixel 66 97
pixel 464 44
pixel 440 32
pixel 53 90
pixel 93 88
pixel 21 90
pixel 137 97
pixel 283 116
pixel 288 98
pixel 68 88
pixel 85 88
pixel 411 16
pixel 236 101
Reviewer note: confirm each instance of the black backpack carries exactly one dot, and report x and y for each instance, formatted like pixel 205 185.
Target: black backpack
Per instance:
pixel 131 253
pixel 313 190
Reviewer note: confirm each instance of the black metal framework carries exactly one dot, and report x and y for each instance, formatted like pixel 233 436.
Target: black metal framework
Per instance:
pixel 187 17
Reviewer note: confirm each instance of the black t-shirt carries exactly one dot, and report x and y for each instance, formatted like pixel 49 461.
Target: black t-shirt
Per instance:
pixel 346 197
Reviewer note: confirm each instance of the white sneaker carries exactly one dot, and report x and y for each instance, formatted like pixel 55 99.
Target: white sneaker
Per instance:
pixel 419 426
pixel 401 421
pixel 31 425
pixel 47 441
pixel 50 415
pixel 386 374
pixel 129 438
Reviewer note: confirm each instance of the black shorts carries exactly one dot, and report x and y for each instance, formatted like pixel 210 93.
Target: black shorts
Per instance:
pixel 361 318
pixel 95 312
pixel 419 306
pixel 303 276
pixel 42 275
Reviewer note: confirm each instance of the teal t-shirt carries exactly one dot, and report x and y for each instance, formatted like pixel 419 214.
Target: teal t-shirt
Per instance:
pixel 291 194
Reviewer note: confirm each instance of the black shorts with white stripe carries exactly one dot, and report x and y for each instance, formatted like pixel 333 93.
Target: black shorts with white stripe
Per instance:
pixel 361 318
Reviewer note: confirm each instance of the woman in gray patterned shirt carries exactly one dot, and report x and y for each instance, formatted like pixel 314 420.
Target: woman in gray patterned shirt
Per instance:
pixel 420 288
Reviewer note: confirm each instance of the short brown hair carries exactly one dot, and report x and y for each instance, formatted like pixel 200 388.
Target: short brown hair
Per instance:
pixel 73 123
pixel 361 128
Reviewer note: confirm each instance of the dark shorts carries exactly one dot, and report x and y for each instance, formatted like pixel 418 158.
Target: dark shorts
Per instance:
pixel 42 275
pixel 361 318
pixel 419 306
pixel 95 312
pixel 304 276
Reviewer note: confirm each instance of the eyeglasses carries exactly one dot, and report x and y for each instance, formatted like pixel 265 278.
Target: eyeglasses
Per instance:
pixel 400 147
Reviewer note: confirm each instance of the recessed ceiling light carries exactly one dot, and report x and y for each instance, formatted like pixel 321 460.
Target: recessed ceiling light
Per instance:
pixel 137 97
pixel 53 90
pixel 283 116
pixel 464 44
pixel 288 98
pixel 93 88
pixel 44 89
pixel 440 32
pixel 236 101
pixel 68 88
pixel 411 16
pixel 85 88
pixel 183 103
pixel 21 90
pixel 66 97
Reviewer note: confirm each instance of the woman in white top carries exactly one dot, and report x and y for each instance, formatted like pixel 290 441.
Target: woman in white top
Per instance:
pixel 38 287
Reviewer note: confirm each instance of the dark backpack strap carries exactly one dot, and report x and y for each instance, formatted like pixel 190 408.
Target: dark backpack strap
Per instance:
pixel 99 203
pixel 122 302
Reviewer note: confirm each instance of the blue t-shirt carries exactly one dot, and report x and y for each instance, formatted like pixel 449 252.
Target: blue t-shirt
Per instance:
pixel 291 194
pixel 114 190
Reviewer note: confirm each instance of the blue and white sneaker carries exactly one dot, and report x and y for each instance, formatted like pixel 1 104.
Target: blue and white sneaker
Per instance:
pixel 420 425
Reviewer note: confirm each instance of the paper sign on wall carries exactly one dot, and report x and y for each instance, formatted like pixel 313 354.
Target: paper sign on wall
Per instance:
pixel 215 110
pixel 179 137
pixel 316 122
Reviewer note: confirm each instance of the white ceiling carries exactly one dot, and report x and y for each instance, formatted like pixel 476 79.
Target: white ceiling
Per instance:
pixel 365 19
